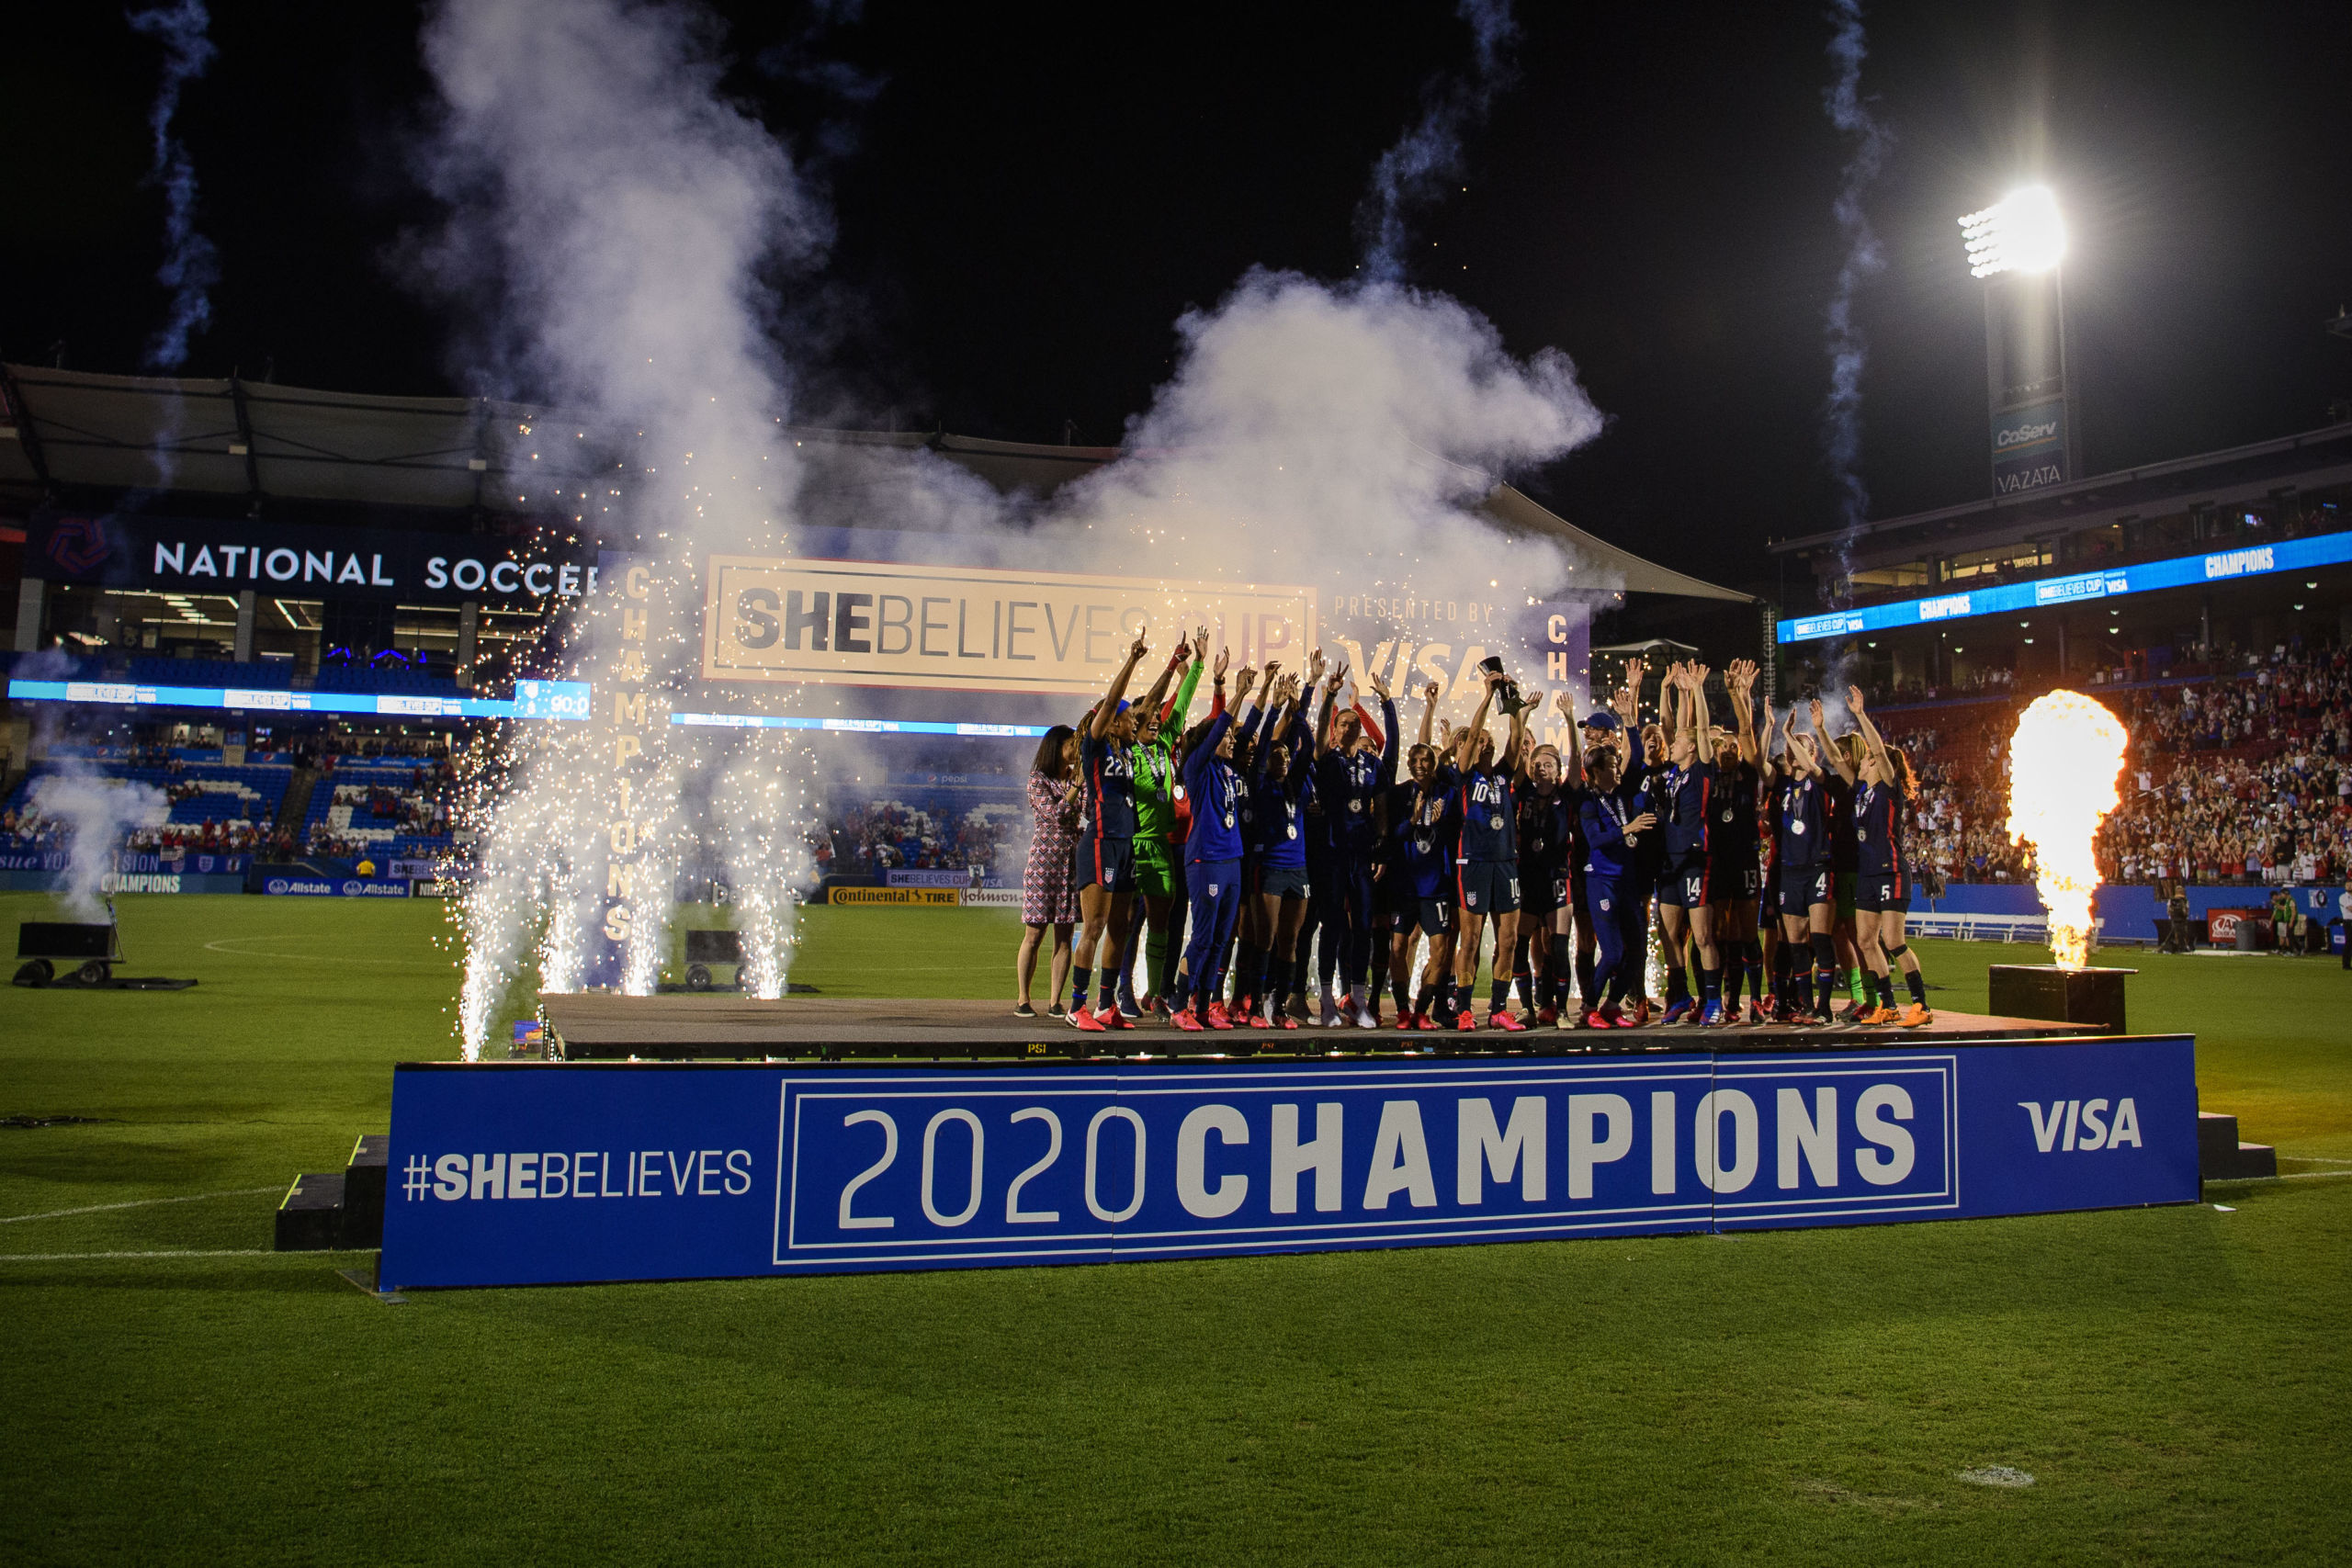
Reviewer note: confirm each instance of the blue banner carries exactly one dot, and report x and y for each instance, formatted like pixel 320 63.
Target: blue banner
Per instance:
pixel 528 1174
pixel 2251 560
pixel 315 886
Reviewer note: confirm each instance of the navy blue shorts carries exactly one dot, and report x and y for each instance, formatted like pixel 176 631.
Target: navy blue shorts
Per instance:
pixel 1280 881
pixel 1107 862
pixel 1487 886
pixel 1803 886
pixel 1432 917
pixel 1685 887
pixel 1881 891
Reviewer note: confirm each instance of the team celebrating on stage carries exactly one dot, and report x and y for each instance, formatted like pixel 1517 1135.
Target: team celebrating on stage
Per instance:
pixel 1229 853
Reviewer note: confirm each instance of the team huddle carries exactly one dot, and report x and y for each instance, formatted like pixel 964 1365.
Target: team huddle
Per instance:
pixel 1278 828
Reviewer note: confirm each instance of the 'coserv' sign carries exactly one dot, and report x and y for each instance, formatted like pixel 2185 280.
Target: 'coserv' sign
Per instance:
pixel 529 1174
pixel 974 629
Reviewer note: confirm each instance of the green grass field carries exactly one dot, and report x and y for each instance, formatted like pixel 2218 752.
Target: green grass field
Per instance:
pixel 2176 1380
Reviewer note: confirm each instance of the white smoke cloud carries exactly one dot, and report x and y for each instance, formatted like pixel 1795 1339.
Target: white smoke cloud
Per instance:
pixel 96 812
pixel 1334 436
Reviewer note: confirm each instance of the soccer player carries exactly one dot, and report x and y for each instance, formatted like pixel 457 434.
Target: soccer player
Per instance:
pixel 1684 794
pixel 1278 886
pixel 1735 877
pixel 1615 816
pixel 1882 895
pixel 1212 862
pixel 1546 807
pixel 1159 851
pixel 1350 780
pixel 1801 853
pixel 1261 705
pixel 1844 755
pixel 1424 818
pixel 1106 871
pixel 1487 869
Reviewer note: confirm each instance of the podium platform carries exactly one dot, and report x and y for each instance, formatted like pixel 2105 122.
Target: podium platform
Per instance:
pixel 599 1025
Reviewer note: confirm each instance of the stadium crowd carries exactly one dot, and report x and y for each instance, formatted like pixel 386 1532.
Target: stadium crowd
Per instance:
pixel 2244 779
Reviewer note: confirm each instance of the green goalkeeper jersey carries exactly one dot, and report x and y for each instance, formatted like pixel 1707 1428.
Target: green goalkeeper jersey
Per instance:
pixel 1155 767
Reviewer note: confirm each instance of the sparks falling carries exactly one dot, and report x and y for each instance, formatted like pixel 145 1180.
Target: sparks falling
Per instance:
pixel 2065 762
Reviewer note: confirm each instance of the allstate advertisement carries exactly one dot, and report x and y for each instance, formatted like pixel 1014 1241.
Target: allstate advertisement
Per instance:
pixel 527 1174
pixel 322 887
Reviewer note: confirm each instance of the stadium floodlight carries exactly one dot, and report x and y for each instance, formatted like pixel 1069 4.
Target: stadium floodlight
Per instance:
pixel 2021 233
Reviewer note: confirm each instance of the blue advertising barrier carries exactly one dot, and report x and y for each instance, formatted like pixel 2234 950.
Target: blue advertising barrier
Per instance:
pixel 528 1174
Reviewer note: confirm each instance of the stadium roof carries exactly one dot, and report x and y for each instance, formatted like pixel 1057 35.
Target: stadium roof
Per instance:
pixel 2261 471
pixel 71 430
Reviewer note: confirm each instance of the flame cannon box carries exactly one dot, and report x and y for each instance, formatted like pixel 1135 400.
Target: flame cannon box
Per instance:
pixel 520 1173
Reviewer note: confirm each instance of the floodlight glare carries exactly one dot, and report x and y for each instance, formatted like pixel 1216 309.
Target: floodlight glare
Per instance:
pixel 2021 232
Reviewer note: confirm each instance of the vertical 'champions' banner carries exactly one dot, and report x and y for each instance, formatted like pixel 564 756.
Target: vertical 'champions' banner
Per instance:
pixel 519 1175
pixel 625 709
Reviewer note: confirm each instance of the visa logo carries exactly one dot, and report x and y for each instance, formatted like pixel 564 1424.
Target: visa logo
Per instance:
pixel 2077 1126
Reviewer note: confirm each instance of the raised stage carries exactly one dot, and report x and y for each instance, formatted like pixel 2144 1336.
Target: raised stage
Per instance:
pixel 597 1025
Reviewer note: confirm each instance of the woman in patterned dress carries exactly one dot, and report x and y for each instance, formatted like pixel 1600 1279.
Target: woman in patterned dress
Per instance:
pixel 1048 887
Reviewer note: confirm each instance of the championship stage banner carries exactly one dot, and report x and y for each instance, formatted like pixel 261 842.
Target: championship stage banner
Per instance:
pixel 975 628
pixel 540 1173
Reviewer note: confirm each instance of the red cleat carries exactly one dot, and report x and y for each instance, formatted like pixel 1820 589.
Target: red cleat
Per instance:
pixel 1083 1019
pixel 1547 1016
pixel 1596 1021
pixel 1284 1021
pixel 1112 1018
pixel 1256 1020
pixel 1407 1023
pixel 1183 1019
pixel 1423 1021
pixel 1215 1017
pixel 1467 1022
pixel 1504 1020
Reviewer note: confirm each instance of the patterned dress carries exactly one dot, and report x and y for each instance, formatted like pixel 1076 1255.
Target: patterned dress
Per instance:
pixel 1048 888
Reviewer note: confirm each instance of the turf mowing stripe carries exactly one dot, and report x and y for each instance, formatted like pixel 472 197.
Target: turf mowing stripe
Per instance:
pixel 134 1203
pixel 78 1257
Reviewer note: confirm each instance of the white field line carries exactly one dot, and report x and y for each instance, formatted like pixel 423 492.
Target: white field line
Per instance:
pixel 223 945
pixel 78 1257
pixel 134 1203
pixel 2290 1175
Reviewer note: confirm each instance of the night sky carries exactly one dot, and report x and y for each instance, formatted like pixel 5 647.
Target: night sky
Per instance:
pixel 1027 197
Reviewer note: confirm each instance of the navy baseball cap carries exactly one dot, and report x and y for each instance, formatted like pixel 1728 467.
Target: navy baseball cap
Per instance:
pixel 1602 718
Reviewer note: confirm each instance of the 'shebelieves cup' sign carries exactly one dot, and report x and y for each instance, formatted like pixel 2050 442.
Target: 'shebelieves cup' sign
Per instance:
pixel 974 629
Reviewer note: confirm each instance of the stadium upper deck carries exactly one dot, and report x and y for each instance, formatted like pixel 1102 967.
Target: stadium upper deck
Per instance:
pixel 2191 561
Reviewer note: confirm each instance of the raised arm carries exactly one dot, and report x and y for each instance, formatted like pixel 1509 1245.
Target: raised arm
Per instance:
pixel 1110 703
pixel 1572 773
pixel 1833 755
pixel 1515 757
pixel 1466 744
pixel 1391 744
pixel 1152 699
pixel 1428 713
pixel 1739 680
pixel 1870 737
pixel 1179 707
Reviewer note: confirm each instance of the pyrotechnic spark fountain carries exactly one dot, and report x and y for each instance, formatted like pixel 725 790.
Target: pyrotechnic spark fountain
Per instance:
pixel 2064 761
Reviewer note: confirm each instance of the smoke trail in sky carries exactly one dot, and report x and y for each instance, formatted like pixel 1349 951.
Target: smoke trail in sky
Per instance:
pixel 1430 152
pixel 1849 350
pixel 190 266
